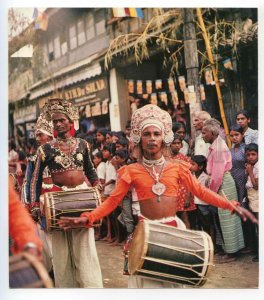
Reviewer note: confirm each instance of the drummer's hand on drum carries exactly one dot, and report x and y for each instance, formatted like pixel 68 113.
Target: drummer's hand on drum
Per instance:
pixel 71 222
pixel 35 213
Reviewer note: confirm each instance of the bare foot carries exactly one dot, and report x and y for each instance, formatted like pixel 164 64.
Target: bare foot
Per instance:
pixel 106 238
pixel 111 240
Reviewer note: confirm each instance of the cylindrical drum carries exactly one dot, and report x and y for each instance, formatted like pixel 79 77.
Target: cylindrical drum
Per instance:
pixel 69 204
pixel 167 253
pixel 25 271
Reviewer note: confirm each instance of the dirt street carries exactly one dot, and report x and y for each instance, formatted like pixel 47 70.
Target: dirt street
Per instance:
pixel 241 274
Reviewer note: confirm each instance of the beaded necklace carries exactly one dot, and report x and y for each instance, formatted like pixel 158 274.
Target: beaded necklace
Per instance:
pixel 153 162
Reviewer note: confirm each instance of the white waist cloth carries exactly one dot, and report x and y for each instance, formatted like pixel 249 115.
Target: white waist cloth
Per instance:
pixel 64 188
pixel 78 187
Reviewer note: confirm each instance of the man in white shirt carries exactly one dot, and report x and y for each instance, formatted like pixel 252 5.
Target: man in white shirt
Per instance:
pixel 200 146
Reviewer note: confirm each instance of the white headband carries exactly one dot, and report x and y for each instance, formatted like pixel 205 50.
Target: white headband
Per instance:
pixel 151 122
pixel 45 132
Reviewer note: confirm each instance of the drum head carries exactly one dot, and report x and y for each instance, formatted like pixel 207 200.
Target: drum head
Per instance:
pixel 170 254
pixel 26 271
pixel 138 248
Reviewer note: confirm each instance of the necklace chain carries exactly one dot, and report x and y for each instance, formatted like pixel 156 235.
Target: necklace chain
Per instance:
pixel 154 174
pixel 69 141
pixel 158 188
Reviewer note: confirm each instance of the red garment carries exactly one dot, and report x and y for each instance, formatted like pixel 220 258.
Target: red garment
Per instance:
pixel 22 229
pixel 174 176
pixel 55 188
pixel 182 194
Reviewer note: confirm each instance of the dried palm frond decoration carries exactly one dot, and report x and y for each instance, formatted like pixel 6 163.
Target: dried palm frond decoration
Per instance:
pixel 164 31
pixel 161 30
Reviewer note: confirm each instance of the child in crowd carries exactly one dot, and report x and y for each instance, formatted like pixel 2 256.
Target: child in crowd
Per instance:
pixel 99 165
pixel 240 178
pixel 185 202
pixel 109 141
pixel 252 183
pixel 204 211
pixel 125 217
pixel 238 160
pixel 180 129
pixel 101 138
pixel 122 143
pixel 108 187
pixel 243 119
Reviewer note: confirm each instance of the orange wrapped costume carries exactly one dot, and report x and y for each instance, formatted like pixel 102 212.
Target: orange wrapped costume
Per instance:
pixel 22 229
pixel 174 176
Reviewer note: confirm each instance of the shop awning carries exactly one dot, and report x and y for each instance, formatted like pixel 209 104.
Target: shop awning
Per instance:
pixel 92 71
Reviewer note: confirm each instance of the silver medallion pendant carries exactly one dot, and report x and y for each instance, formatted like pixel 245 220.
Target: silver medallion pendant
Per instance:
pixel 158 188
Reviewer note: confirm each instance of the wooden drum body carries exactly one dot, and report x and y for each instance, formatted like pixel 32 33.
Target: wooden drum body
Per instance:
pixel 25 271
pixel 69 204
pixel 166 253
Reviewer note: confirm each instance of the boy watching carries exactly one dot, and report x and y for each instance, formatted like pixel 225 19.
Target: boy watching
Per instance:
pixel 251 152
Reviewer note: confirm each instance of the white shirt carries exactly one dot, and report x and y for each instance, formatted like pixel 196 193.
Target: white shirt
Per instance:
pixel 185 148
pixel 203 179
pixel 135 203
pixel 255 173
pixel 101 170
pixel 110 174
pixel 251 136
pixel 200 146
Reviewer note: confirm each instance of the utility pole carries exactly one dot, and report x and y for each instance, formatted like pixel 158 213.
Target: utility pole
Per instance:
pixel 191 61
pixel 215 73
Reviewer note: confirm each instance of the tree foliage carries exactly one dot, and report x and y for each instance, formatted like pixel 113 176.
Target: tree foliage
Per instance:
pixel 17 22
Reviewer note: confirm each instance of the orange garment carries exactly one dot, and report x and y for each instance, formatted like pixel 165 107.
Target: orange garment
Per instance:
pixel 22 229
pixel 174 176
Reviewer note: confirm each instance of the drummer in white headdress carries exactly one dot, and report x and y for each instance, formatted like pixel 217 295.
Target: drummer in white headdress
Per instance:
pixel 43 134
pixel 155 179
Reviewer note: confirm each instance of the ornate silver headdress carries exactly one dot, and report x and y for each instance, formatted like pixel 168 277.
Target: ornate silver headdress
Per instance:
pixel 146 116
pixel 58 105
pixel 151 115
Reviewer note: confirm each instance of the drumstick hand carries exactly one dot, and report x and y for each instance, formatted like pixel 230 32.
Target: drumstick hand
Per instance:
pixel 243 213
pixel 246 215
pixel 71 222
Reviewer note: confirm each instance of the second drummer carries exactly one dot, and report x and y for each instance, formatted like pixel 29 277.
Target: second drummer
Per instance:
pixel 157 182
pixel 75 259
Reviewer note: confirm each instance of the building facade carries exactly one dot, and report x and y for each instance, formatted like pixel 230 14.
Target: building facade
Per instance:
pixel 69 61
